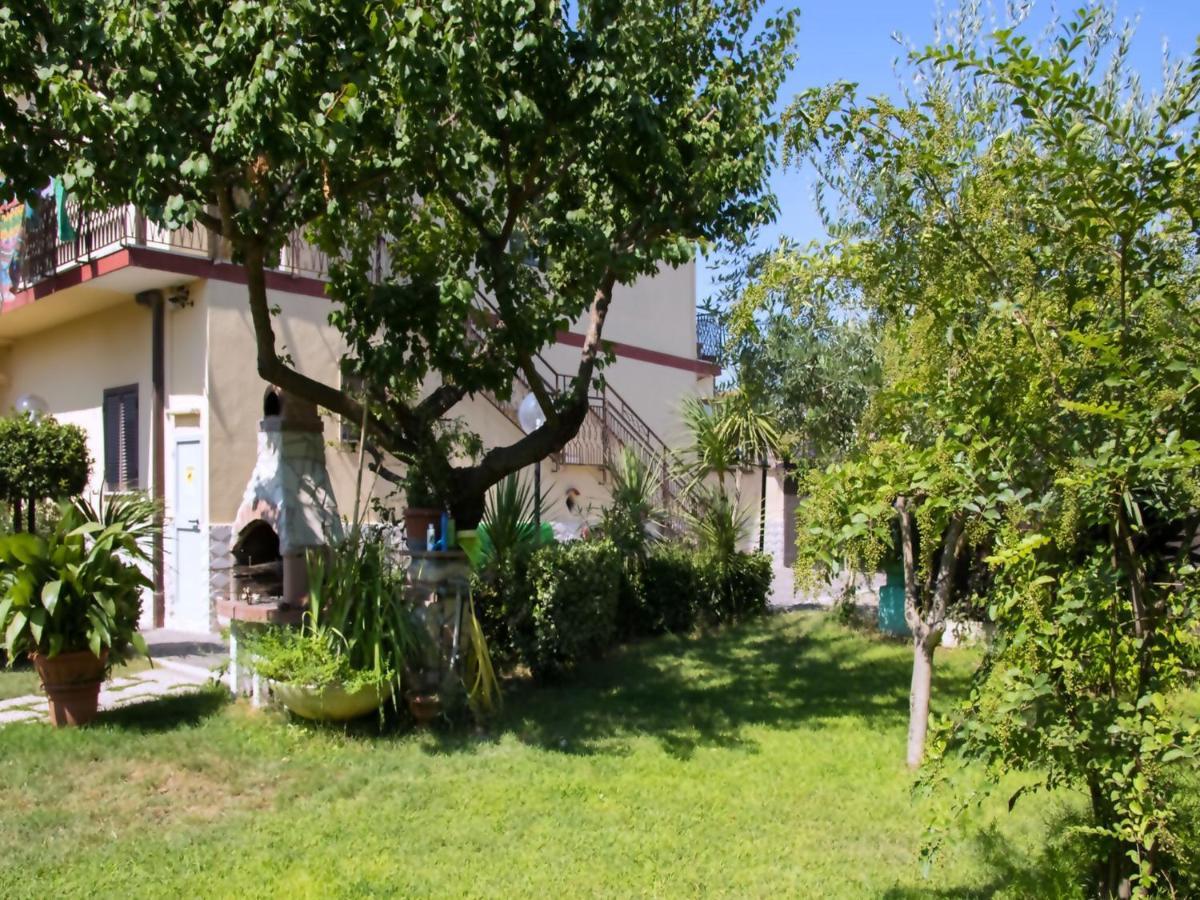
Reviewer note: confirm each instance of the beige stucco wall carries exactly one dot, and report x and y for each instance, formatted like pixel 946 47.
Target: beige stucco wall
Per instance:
pixel 657 313
pixel 71 365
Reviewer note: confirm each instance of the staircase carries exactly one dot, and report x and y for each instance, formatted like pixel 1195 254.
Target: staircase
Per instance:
pixel 610 426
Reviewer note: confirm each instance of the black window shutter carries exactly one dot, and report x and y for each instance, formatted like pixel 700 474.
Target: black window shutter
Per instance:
pixel 112 441
pixel 121 469
pixel 129 424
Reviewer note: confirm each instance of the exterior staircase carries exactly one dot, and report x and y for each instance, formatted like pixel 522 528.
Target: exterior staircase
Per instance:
pixel 610 426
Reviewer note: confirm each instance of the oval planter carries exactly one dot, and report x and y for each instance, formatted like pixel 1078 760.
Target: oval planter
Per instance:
pixel 72 684
pixel 331 703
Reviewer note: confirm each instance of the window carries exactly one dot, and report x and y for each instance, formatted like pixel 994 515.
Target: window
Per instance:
pixel 121 469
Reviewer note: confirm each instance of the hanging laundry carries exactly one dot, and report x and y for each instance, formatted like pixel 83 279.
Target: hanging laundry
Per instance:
pixel 12 216
pixel 65 230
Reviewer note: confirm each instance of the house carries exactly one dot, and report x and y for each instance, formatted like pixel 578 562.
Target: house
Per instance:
pixel 143 337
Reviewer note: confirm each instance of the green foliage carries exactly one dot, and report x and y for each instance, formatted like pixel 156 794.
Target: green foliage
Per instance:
pixel 672 591
pixel 312 657
pixel 1024 227
pixel 633 520
pixel 735 588
pixel 812 365
pixel 440 153
pixel 357 604
pixel 80 586
pixel 41 459
pixel 576 588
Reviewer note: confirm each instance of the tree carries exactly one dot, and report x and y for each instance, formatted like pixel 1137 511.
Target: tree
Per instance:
pixel 805 352
pixel 1025 223
pixel 481 173
pixel 40 459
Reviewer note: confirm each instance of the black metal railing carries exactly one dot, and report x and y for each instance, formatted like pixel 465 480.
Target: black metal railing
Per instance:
pixel 42 253
pixel 710 336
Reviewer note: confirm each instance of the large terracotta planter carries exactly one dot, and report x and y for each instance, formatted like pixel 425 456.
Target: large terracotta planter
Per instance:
pixel 72 684
pixel 416 524
pixel 332 703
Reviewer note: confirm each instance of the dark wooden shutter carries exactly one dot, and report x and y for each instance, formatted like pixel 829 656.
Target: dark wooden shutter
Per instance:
pixel 121 464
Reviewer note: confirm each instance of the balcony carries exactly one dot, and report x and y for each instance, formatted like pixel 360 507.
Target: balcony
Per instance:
pixel 42 254
pixel 710 337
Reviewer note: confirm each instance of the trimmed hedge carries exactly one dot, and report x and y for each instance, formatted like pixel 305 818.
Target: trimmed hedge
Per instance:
pixel 561 604
pixel 576 588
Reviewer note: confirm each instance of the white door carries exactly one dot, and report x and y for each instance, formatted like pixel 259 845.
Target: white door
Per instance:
pixel 189 549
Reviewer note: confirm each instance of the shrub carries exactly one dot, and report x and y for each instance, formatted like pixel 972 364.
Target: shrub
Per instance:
pixel 671 590
pixel 575 594
pixel 40 459
pixel 734 587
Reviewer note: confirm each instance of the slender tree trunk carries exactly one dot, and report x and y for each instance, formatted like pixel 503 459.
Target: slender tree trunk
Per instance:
pixel 918 699
pixel 925 615
pixel 29 515
pixel 1113 865
pixel 16 513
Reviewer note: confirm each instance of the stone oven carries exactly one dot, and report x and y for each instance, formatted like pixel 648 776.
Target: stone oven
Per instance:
pixel 288 507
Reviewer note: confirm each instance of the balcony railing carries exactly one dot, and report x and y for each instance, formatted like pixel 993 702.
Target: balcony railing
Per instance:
pixel 42 253
pixel 710 337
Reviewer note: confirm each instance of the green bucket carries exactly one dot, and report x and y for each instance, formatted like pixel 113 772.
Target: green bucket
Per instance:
pixel 891 604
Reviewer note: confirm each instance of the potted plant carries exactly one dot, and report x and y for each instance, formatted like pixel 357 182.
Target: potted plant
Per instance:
pixel 72 599
pixel 347 657
pixel 421 506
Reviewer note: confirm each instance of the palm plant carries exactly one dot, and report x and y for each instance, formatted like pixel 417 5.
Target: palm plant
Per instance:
pixel 717 523
pixel 635 511
pixel 508 520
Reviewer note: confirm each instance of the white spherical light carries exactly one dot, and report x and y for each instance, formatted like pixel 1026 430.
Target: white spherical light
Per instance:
pixel 530 414
pixel 31 405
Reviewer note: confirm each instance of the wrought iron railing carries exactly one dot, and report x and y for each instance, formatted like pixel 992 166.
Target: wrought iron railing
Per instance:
pixel 710 336
pixel 42 253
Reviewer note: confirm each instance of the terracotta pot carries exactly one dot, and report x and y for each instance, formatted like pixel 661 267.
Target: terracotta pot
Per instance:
pixel 423 706
pixel 72 684
pixel 417 520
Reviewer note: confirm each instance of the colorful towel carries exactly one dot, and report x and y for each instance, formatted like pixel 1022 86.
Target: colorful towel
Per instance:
pixel 10 244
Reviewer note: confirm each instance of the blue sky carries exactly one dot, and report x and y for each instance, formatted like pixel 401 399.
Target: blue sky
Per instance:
pixel 853 40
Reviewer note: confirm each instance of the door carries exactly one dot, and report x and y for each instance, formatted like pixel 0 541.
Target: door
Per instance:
pixel 189 549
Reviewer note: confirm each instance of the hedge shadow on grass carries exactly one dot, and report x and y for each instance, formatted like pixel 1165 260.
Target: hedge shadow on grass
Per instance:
pixel 183 710
pixel 707 691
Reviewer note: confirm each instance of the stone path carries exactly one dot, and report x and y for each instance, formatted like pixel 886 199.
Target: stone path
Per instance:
pixel 182 662
pixel 148 685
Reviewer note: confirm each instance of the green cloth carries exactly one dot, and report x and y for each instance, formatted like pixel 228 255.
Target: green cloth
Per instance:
pixel 65 231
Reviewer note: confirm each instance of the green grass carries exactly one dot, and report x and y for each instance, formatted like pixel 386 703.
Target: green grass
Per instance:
pixel 762 761
pixel 22 679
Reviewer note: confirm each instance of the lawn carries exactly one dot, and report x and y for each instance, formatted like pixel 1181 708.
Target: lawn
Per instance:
pixel 766 760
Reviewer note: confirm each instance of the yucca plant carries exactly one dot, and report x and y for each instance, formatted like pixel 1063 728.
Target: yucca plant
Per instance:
pixel 635 512
pixel 508 522
pixel 717 523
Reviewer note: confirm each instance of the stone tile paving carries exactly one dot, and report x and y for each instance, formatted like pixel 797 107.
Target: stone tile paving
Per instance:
pixel 148 685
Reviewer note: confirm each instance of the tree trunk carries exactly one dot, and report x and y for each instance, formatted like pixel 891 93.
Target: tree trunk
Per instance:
pixel 16 513
pixel 918 698
pixel 29 514
pixel 1113 876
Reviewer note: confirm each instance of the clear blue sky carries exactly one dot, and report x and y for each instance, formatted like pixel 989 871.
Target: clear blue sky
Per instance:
pixel 852 40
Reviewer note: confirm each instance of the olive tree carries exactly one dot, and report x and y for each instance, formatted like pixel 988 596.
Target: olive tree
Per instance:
pixel 483 174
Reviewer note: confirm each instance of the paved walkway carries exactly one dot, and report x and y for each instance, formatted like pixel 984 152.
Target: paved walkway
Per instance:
pixel 182 662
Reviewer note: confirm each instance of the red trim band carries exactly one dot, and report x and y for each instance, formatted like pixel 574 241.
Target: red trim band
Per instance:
pixel 196 267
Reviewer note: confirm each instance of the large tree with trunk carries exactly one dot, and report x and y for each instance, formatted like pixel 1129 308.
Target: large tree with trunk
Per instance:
pixel 483 174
